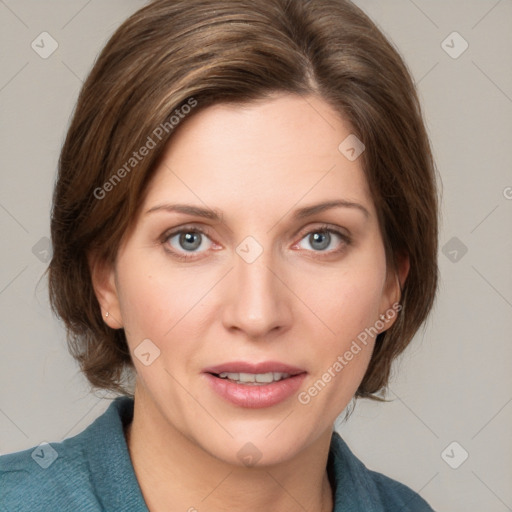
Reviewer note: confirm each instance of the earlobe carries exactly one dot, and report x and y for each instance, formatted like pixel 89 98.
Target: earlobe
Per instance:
pixel 105 289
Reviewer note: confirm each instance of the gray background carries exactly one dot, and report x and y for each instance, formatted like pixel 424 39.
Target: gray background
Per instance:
pixel 453 384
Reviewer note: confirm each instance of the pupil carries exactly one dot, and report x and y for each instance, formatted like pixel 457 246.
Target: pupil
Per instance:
pixel 190 238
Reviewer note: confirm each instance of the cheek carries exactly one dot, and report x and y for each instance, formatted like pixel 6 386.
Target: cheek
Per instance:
pixel 153 299
pixel 142 305
pixel 346 302
pixel 356 305
pixel 342 353
pixel 165 306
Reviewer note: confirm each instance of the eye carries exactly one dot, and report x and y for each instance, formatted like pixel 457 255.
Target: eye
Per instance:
pixel 324 237
pixel 186 242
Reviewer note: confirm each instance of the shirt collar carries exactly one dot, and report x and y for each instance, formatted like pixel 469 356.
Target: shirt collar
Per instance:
pixel 353 488
pixel 111 468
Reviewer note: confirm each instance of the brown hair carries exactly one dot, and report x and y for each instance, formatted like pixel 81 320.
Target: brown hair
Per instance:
pixel 172 53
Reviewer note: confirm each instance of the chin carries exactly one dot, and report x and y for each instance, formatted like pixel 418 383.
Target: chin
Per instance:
pixel 254 446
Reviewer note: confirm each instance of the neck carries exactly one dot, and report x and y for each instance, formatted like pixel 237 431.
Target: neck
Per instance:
pixel 175 473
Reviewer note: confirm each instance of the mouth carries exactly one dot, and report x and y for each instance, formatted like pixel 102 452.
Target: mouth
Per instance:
pixel 255 385
pixel 253 379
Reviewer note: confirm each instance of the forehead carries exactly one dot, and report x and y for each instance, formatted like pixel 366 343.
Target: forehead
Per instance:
pixel 257 156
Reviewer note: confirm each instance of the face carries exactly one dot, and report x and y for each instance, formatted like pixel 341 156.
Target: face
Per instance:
pixel 262 288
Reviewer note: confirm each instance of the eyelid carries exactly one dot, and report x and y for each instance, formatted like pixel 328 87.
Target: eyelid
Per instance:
pixel 324 226
pixel 186 227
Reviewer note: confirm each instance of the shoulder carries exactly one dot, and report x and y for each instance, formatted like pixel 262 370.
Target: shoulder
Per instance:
pixel 56 476
pixel 44 476
pixel 397 496
pixel 363 489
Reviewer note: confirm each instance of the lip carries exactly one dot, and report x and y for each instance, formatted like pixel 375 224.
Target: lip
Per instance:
pixel 246 367
pixel 255 396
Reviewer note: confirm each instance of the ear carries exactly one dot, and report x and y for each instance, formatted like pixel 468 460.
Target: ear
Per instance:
pixel 105 289
pixel 392 293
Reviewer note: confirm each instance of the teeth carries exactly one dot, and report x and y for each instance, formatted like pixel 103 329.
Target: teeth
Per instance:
pixel 267 377
pixel 254 378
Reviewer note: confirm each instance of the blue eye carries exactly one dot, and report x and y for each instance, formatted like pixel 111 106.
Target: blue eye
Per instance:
pixel 188 243
pixel 187 240
pixel 321 239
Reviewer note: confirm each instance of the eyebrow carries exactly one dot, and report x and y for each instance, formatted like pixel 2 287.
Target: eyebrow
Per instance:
pixel 300 213
pixel 308 211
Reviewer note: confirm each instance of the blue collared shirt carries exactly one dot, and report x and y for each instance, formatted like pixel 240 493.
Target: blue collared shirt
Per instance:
pixel 92 472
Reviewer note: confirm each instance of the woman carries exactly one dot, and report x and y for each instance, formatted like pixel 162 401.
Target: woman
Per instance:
pixel 244 231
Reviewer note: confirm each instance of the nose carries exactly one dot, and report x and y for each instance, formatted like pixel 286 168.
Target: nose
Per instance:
pixel 258 301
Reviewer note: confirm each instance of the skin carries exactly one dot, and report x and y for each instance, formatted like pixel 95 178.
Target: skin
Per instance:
pixel 296 303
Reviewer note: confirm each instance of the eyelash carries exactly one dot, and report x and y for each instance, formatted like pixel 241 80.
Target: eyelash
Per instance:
pixel 346 240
